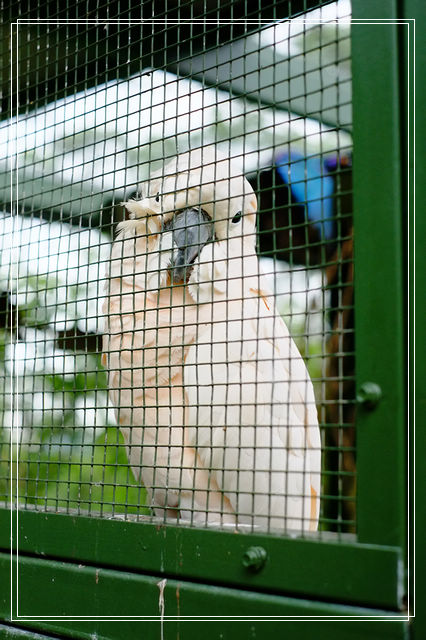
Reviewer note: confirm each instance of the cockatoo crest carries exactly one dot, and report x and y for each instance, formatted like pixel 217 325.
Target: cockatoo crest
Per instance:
pixel 207 181
pixel 202 178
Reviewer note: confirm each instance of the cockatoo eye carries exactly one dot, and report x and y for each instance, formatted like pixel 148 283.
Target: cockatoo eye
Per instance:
pixel 157 197
pixel 237 217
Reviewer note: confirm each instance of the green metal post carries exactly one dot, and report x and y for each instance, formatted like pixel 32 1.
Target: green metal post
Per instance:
pixel 379 313
pixel 416 135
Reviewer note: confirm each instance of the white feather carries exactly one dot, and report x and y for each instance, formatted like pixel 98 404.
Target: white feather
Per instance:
pixel 213 398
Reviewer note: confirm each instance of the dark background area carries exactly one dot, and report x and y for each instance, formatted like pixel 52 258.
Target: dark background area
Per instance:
pixel 62 59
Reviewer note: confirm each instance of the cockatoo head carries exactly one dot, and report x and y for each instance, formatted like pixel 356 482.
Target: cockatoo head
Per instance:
pixel 200 196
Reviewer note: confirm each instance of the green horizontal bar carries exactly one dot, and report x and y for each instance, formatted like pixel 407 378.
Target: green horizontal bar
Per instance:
pixel 334 570
pixel 50 589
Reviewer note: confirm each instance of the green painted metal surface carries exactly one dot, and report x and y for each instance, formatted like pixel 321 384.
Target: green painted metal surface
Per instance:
pixel 339 571
pixel 415 132
pixel 8 632
pixel 381 432
pixel 56 589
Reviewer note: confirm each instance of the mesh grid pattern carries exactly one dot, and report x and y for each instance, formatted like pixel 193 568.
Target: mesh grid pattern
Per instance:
pixel 93 111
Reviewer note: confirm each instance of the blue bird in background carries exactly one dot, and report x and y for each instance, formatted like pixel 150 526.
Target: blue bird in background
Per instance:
pixel 312 186
pixel 305 206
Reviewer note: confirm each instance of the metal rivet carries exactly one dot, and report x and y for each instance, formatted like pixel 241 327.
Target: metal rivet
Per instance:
pixel 254 558
pixel 369 395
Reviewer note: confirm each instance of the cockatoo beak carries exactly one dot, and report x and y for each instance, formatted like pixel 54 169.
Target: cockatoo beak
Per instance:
pixel 192 229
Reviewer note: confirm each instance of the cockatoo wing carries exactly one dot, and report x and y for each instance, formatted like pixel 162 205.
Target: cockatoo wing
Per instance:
pixel 251 412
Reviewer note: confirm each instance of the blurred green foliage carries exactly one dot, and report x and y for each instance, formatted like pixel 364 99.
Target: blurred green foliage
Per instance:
pixel 69 456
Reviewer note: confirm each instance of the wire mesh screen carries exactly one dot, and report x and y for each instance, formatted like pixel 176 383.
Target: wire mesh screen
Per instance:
pixel 177 335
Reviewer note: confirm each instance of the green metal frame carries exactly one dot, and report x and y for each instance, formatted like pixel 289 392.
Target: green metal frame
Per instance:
pixel 336 571
pixel 379 315
pixel 416 322
pixel 86 566
pixel 88 591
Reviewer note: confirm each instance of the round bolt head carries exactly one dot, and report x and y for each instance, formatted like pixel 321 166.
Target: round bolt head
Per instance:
pixel 369 395
pixel 254 558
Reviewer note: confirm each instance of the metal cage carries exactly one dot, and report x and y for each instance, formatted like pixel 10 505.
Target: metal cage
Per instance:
pixel 116 425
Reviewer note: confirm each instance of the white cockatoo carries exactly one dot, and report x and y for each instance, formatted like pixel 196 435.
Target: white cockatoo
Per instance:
pixel 211 393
